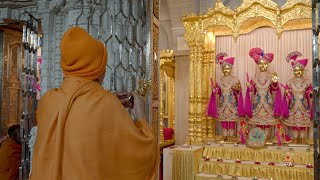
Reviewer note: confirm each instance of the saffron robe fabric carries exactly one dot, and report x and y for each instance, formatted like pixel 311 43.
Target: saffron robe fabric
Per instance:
pixel 84 133
pixel 10 159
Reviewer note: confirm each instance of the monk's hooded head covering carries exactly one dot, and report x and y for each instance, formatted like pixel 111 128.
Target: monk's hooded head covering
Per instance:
pixel 82 55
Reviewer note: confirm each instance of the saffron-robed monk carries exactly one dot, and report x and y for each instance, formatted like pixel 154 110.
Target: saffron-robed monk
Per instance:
pixel 10 155
pixel 84 132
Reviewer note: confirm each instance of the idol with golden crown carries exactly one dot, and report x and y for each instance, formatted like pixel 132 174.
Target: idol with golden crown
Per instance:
pixel 263 96
pixel 297 102
pixel 229 103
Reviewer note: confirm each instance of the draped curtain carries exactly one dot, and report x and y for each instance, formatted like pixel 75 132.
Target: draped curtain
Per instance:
pixel 266 39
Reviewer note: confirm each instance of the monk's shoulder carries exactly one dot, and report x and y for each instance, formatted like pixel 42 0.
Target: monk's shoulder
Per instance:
pixel 49 96
pixel 108 96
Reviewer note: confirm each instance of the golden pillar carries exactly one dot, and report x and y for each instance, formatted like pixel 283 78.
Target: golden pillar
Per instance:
pixel 204 89
pixel 170 101
pixel 198 94
pixel 191 95
pixel 209 72
pixel 161 105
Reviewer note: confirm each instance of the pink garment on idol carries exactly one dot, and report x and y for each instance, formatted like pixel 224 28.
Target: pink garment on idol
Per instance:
pixel 278 135
pixel 257 53
pixel 285 108
pixel 287 97
pixel 241 108
pixel 248 104
pixel 293 57
pixel 228 61
pixel 212 107
pixel 242 137
pixel 278 99
pixel 277 104
pixel 302 62
pixel 309 91
pixel 258 117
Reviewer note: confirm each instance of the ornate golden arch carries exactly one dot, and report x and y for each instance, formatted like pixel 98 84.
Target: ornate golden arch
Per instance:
pixel 167 100
pixel 221 20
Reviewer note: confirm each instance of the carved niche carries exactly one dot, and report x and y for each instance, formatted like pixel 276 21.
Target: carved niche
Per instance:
pixel 12 64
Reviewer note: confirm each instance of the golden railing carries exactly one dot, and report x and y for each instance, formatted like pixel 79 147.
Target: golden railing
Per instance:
pixel 200 34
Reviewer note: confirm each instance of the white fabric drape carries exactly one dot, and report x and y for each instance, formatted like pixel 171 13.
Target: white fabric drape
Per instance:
pixel 266 39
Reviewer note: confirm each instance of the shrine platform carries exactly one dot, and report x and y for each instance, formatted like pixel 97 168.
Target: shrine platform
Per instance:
pixel 201 162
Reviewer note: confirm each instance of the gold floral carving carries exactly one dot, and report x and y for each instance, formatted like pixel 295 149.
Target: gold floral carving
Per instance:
pixel 155 82
pixel 155 62
pixel 167 80
pixel 156 8
pixel 251 14
pixel 221 20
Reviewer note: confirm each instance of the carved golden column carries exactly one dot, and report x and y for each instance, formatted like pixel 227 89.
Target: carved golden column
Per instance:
pixel 170 102
pixel 161 104
pixel 204 100
pixel 209 72
pixel 191 94
pixel 198 93
pixel 173 103
pixel 167 71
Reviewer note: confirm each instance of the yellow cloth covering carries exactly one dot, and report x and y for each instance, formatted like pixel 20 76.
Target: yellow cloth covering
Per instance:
pixel 84 132
pixel 185 163
pixel 253 170
pixel 10 159
pixel 262 155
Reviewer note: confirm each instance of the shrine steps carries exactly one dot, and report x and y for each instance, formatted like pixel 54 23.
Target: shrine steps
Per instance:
pixel 202 176
pixel 210 168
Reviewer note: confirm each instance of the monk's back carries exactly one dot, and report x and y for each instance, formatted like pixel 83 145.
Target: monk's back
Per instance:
pixel 99 138
pixel 84 132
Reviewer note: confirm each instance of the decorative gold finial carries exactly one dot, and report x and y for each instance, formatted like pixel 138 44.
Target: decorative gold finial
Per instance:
pixel 144 86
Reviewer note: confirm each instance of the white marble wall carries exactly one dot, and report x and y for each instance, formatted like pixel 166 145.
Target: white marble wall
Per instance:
pixel 182 98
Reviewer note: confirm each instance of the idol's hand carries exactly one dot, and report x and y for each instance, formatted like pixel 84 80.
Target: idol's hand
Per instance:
pixel 138 110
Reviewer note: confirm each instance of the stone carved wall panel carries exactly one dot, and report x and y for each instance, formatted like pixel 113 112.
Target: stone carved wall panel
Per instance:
pixel 123 25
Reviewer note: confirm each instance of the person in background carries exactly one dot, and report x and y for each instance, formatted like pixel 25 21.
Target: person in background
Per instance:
pixel 2 138
pixel 84 132
pixel 31 142
pixel 10 155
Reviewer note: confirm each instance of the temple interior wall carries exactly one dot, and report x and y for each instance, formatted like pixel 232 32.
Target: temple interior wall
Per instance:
pixel 124 27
